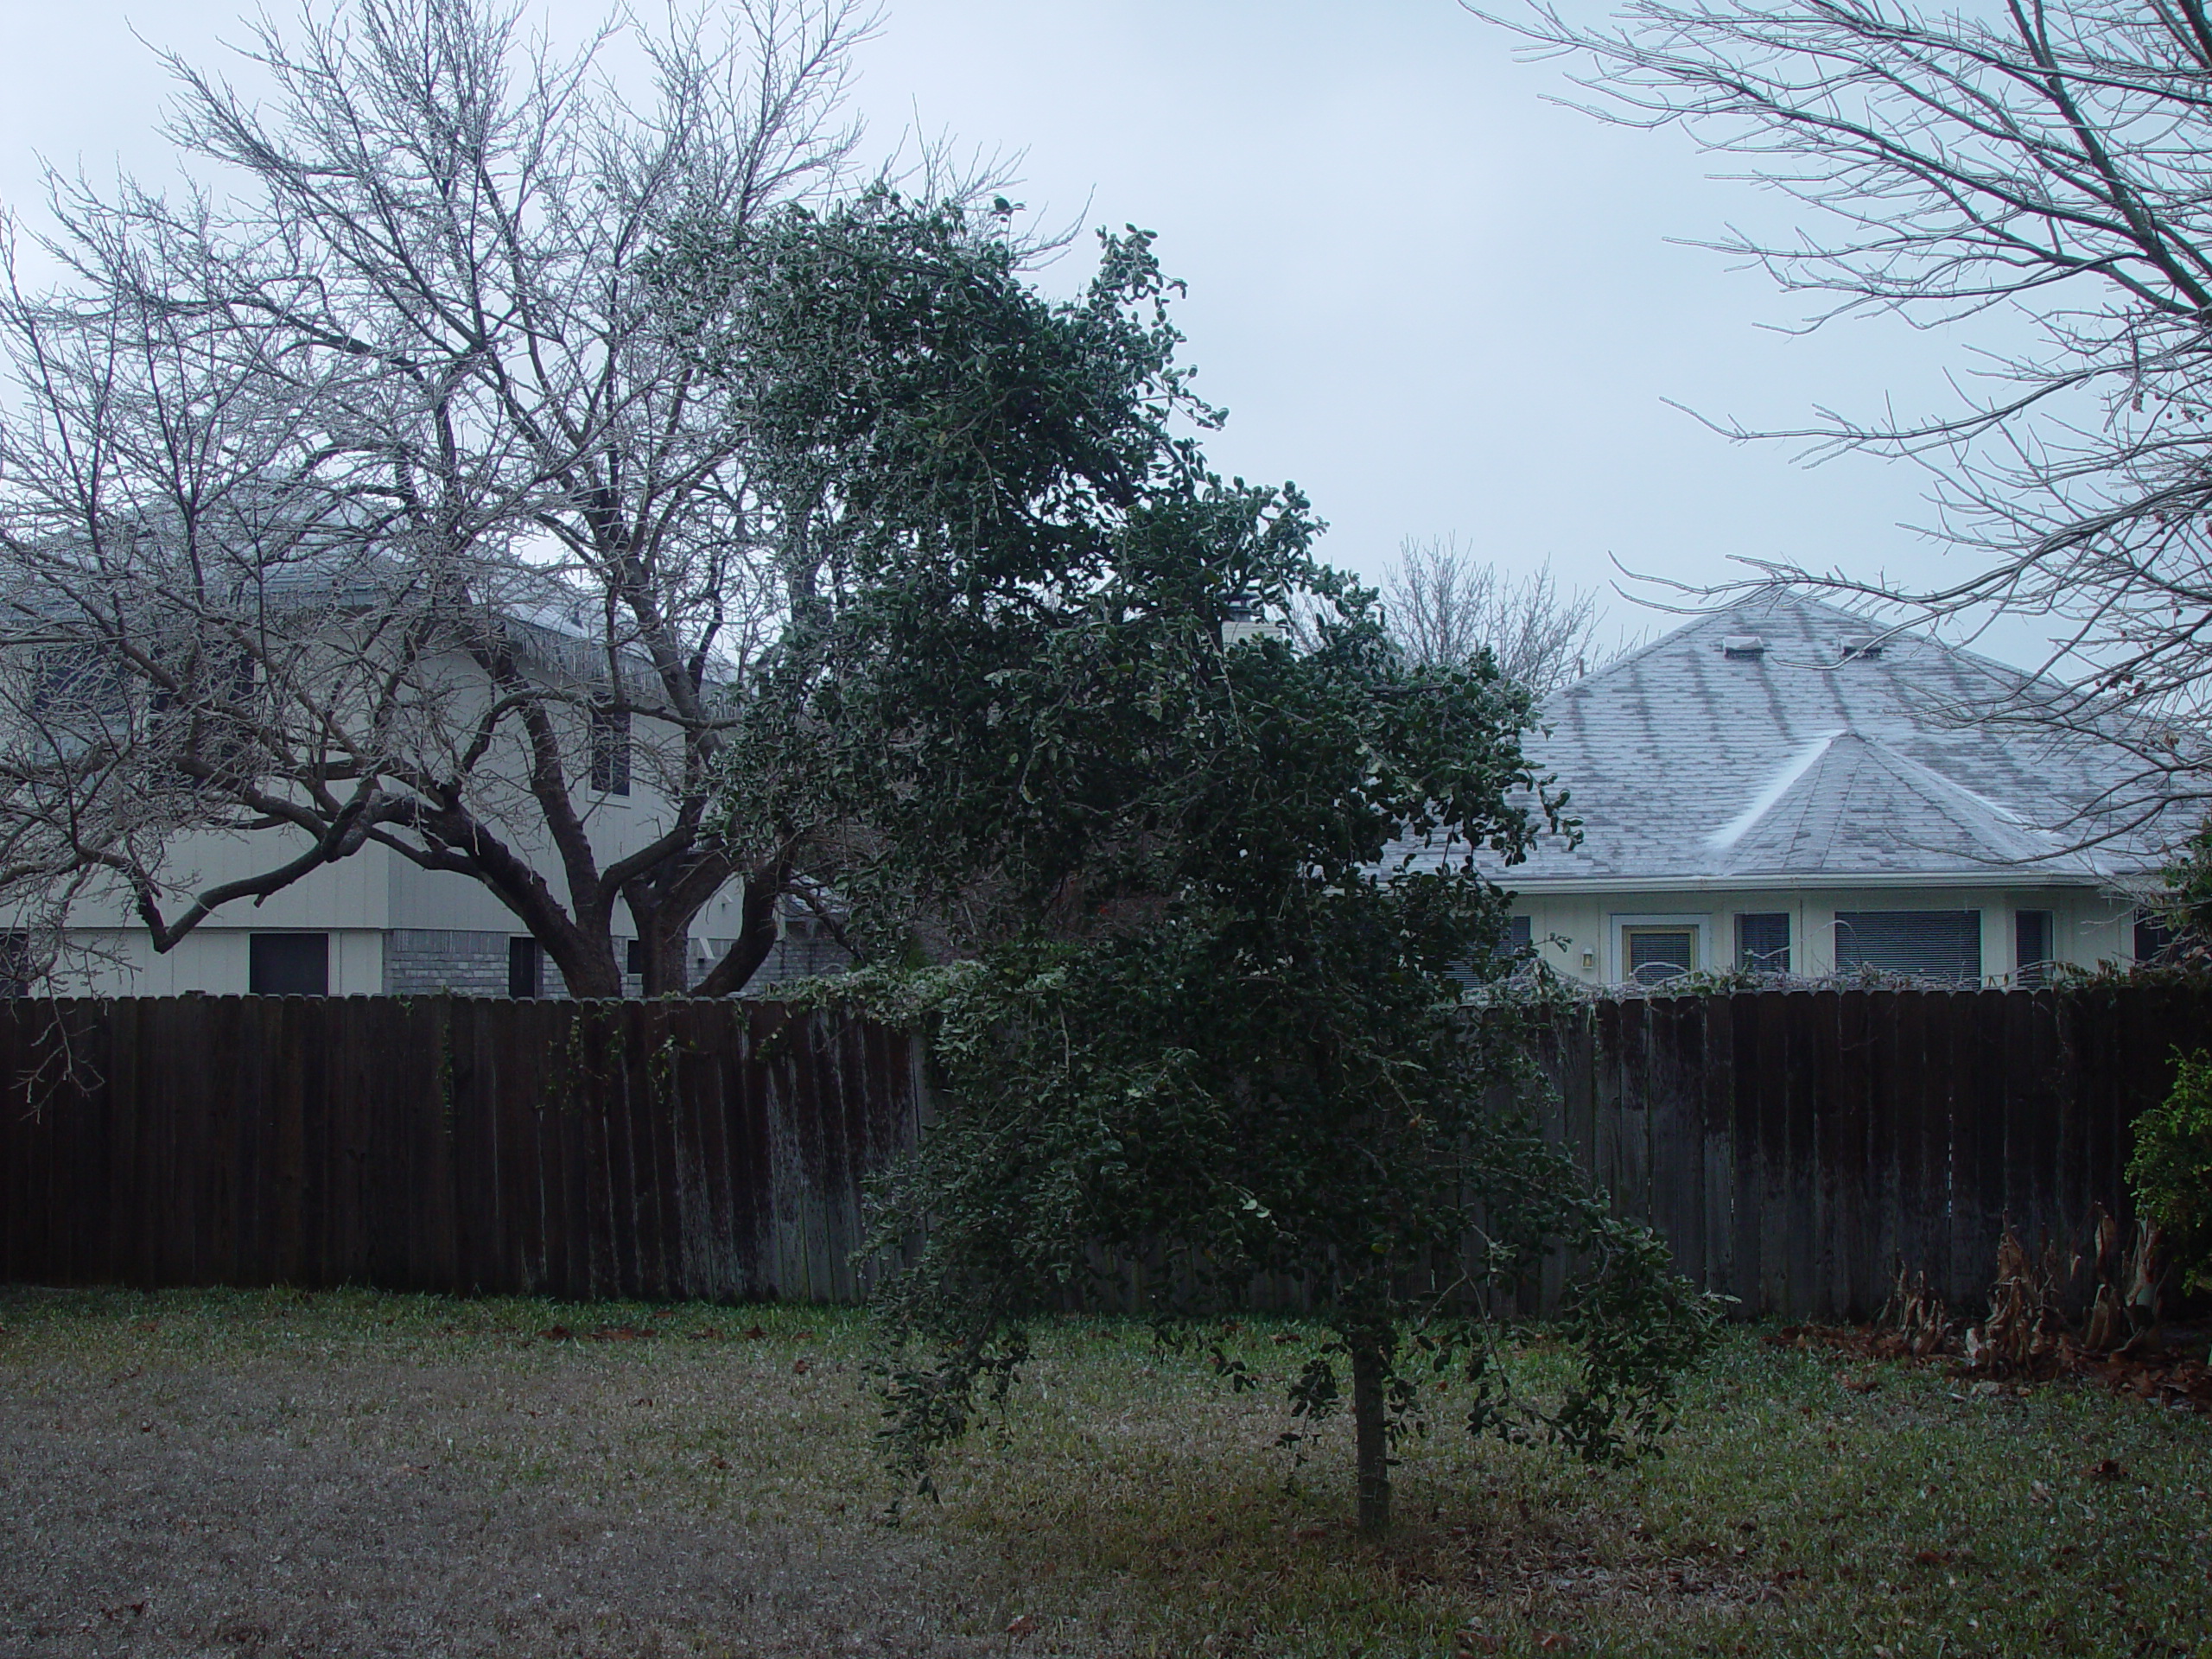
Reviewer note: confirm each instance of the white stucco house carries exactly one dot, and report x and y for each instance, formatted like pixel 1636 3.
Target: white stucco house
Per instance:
pixel 1783 787
pixel 372 922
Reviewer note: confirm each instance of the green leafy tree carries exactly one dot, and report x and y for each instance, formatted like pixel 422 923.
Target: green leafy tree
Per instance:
pixel 2185 904
pixel 1177 903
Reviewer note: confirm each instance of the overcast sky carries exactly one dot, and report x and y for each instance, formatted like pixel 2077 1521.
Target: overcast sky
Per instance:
pixel 1438 302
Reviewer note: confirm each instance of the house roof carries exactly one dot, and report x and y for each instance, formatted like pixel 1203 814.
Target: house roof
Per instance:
pixel 1762 745
pixel 557 624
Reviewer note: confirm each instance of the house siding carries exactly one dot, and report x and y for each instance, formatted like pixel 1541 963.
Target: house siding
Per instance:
pixel 395 928
pixel 2089 927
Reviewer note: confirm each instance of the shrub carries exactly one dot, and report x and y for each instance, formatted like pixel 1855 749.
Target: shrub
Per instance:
pixel 2171 1169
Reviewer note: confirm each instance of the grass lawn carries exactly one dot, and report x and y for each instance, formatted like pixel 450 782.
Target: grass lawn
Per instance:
pixel 352 1473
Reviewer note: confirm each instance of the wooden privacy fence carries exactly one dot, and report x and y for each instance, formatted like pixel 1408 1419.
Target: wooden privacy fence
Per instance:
pixel 664 1149
pixel 1793 1147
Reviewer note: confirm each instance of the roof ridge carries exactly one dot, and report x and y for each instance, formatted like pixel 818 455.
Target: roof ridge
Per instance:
pixel 1775 790
pixel 1802 783
pixel 2030 843
pixel 1704 619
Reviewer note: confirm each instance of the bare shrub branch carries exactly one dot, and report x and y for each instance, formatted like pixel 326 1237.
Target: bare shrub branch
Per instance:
pixel 2042 173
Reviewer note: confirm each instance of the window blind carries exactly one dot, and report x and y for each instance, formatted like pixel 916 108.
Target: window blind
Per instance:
pixel 1763 943
pixel 1939 944
pixel 1659 953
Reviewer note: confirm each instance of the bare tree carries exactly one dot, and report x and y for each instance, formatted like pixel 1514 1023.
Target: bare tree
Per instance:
pixel 2047 168
pixel 1444 605
pixel 367 497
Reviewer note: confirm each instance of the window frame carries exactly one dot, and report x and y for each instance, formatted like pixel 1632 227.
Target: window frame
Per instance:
pixel 67 680
pixel 526 967
pixel 2034 971
pixel 74 699
pixel 1697 925
pixel 2152 930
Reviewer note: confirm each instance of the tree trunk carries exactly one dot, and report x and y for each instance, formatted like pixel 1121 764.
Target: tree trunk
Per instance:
pixel 1370 1370
pixel 667 973
pixel 587 971
pixel 756 935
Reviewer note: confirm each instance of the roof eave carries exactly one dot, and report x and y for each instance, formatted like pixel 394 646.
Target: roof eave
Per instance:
pixel 1825 880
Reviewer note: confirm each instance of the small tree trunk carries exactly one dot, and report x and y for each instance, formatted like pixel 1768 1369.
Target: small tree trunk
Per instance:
pixel 756 935
pixel 1370 1367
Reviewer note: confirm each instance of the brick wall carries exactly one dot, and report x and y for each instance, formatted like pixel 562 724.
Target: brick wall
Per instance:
pixel 424 961
pixel 804 950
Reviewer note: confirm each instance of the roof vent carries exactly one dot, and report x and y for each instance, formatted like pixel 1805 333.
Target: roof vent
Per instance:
pixel 1743 647
pixel 1855 649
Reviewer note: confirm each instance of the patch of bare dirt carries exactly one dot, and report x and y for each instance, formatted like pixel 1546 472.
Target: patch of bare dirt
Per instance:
pixel 305 1511
pixel 1561 1568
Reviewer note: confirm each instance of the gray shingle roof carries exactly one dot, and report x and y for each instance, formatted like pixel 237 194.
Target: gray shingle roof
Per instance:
pixel 1687 760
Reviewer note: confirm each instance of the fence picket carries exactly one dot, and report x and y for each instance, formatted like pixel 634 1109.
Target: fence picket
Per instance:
pixel 1676 1067
pixel 1849 1186
pixel 1717 1154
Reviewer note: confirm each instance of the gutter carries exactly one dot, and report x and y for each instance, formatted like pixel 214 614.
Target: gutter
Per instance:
pixel 1825 882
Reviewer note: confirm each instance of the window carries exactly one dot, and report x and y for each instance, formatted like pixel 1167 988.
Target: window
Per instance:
pixel 76 699
pixel 15 965
pixel 2154 939
pixel 633 959
pixel 2031 954
pixel 526 976
pixel 1939 944
pixel 1653 955
pixel 610 751
pixel 1763 942
pixel 288 964
pixel 69 680
pixel 1516 947
pixel 217 704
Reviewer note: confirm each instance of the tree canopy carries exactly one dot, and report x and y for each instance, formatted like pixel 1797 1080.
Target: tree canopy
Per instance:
pixel 1444 605
pixel 1180 903
pixel 367 499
